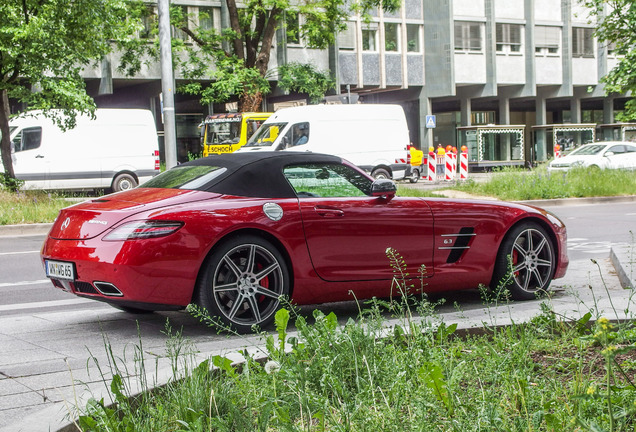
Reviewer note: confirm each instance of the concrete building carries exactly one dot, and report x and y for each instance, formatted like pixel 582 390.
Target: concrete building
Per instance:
pixel 507 78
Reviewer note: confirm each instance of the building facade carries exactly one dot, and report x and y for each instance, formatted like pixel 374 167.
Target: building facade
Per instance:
pixel 507 78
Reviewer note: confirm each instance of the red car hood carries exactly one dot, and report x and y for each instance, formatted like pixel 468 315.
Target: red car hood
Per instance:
pixel 91 218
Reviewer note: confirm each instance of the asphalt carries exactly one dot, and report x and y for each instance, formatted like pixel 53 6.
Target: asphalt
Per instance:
pixel 605 291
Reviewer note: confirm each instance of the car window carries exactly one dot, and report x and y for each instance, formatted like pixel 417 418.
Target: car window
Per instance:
pixel 185 177
pixel 327 181
pixel 265 135
pixel 630 149
pixel 617 149
pixel 27 139
pixel 591 149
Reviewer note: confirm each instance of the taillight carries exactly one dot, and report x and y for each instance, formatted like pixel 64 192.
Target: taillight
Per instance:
pixel 157 161
pixel 144 229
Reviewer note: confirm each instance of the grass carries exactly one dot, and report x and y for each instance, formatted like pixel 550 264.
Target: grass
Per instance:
pixel 516 184
pixel 419 374
pixel 508 184
pixel 30 206
pixel 545 375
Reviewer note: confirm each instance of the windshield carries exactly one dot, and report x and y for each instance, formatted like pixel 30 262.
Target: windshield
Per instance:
pixel 185 177
pixel 266 135
pixel 589 149
pixel 223 131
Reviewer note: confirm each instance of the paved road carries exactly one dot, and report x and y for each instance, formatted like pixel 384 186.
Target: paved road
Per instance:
pixel 45 332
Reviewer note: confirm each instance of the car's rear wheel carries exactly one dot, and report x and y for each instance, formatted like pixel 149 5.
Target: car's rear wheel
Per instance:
pixel 124 182
pixel 242 283
pixel 526 262
pixel 416 176
pixel 380 173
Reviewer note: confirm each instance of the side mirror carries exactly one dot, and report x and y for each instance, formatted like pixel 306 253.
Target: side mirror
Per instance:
pixel 608 153
pixel 384 188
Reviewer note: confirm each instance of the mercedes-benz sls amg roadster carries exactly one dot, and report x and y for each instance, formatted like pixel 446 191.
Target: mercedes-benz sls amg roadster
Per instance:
pixel 237 233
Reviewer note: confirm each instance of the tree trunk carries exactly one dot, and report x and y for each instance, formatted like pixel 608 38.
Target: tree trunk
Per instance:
pixel 5 146
pixel 250 103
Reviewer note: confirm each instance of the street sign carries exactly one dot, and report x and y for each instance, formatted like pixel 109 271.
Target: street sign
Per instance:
pixel 430 121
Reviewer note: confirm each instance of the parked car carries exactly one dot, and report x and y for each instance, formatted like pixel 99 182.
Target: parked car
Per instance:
pixel 604 155
pixel 375 137
pixel 117 150
pixel 233 233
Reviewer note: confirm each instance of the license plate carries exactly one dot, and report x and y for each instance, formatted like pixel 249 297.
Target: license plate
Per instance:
pixel 59 270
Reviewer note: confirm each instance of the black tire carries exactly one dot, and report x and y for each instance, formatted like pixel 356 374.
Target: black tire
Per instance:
pixel 415 177
pixel 532 262
pixel 242 283
pixel 124 182
pixel 380 173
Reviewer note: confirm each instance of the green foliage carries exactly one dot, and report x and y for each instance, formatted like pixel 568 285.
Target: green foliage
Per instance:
pixel 517 184
pixel 305 78
pixel 45 46
pixel 29 206
pixel 615 21
pixel 547 375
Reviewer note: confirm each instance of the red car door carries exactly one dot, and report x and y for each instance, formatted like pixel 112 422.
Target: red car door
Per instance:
pixel 347 238
pixel 348 231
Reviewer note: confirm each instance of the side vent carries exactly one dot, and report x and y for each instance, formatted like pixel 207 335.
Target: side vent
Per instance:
pixel 458 245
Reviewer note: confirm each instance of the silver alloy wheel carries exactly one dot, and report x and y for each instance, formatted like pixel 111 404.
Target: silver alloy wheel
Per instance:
pixel 532 260
pixel 247 284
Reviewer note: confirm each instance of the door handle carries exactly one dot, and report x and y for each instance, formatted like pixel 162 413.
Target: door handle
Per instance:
pixel 39 157
pixel 329 211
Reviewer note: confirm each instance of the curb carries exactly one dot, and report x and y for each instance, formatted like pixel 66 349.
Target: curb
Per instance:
pixel 25 229
pixel 623 259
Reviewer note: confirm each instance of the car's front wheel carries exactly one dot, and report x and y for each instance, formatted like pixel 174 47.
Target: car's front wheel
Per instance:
pixel 526 262
pixel 242 283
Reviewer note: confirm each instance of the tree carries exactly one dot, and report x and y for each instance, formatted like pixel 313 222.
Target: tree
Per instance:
pixel 616 25
pixel 237 58
pixel 44 46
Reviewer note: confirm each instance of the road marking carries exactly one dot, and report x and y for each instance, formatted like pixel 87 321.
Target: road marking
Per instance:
pixel 21 252
pixel 44 304
pixel 21 283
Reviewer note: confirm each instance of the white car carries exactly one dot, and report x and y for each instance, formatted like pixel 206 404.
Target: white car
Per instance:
pixel 610 154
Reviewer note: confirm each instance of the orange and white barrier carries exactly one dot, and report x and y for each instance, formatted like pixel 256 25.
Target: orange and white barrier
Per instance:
pixel 431 177
pixel 463 164
pixel 557 151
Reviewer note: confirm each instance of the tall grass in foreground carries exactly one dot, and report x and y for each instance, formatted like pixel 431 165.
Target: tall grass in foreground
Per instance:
pixel 518 184
pixel 30 207
pixel 544 375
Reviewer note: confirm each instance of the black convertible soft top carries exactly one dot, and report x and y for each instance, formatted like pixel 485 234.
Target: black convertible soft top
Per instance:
pixel 257 173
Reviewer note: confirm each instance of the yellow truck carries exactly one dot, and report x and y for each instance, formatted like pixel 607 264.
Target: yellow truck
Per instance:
pixel 227 132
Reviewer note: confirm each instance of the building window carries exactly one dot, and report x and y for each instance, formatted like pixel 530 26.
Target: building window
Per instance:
pixel 292 24
pixel 546 39
pixel 468 36
pixel 370 37
pixel 391 37
pixel 177 33
pixel 611 49
pixel 347 37
pixel 149 21
pixel 582 42
pixel 206 18
pixel 508 38
pixel 413 38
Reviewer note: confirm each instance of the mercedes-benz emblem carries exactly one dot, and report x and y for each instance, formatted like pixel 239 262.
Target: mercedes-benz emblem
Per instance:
pixel 66 223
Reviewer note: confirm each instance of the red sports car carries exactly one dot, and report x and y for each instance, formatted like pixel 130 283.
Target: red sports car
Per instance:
pixel 233 233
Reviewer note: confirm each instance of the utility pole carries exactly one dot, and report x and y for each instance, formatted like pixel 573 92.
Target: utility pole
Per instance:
pixel 167 84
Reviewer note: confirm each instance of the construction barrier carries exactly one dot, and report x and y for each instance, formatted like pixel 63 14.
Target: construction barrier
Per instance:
pixel 557 151
pixel 463 164
pixel 431 176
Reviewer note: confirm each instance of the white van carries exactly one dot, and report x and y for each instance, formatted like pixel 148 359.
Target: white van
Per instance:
pixel 374 137
pixel 117 150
